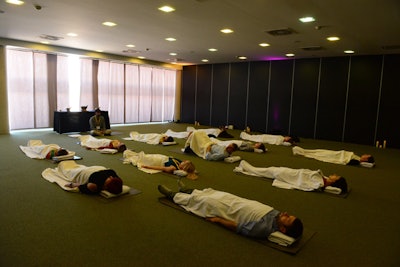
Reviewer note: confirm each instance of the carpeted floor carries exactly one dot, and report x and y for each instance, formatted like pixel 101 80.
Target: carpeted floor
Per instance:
pixel 43 225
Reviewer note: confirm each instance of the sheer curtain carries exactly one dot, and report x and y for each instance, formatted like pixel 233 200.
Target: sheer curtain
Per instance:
pixel 39 83
pixel 145 85
pixel 62 83
pixel 131 93
pixel 20 89
pixel 111 90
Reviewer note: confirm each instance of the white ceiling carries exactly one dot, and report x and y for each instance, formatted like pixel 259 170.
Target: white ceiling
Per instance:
pixel 365 26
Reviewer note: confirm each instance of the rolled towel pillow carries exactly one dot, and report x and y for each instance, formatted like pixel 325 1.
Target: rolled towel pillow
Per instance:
pixel 367 164
pixel 333 190
pixel 232 159
pixel 180 173
pixel 281 239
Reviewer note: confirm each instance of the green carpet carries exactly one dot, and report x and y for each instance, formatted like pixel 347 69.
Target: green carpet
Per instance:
pixel 42 225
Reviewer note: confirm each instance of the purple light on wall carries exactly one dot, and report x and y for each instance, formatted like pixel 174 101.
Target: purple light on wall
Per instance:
pixel 270 58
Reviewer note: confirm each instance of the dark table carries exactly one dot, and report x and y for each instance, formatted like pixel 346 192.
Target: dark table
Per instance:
pixel 66 121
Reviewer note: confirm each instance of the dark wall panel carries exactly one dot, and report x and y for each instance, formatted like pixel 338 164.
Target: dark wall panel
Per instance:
pixel 220 87
pixel 203 94
pixel 188 94
pixel 388 122
pixel 332 98
pixel 258 96
pixel 238 94
pixel 304 101
pixel 280 97
pixel 364 84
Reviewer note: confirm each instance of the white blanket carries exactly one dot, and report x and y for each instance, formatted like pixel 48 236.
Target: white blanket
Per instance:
pixel 35 149
pixel 264 138
pixel 208 131
pixel 174 134
pixel 301 179
pixel 139 159
pixel 337 157
pixel 281 239
pixel 198 141
pixel 70 172
pixel 226 142
pixel 92 142
pixel 149 138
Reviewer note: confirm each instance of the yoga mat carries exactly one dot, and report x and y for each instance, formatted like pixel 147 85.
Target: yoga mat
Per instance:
pixel 132 192
pixel 293 249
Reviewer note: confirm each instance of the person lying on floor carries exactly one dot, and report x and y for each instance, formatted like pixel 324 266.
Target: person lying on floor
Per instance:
pixel 242 145
pixel 36 149
pixel 151 138
pixel 162 163
pixel 90 180
pixel 270 139
pixel 212 132
pixel 246 217
pixel 301 179
pixel 199 143
pixel 91 142
pixel 337 157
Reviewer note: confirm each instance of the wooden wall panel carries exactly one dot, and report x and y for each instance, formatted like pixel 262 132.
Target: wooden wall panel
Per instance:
pixel 280 97
pixel 220 87
pixel 238 94
pixel 388 123
pixel 188 97
pixel 203 94
pixel 304 101
pixel 258 96
pixel 362 103
pixel 332 98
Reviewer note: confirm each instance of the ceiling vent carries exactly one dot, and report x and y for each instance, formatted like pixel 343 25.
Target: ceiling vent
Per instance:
pixel 390 47
pixel 50 37
pixel 130 51
pixel 281 32
pixel 312 48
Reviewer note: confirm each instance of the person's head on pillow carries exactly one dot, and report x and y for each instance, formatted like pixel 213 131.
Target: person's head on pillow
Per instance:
pixel 260 146
pixel 336 181
pixel 169 139
pixel 367 158
pixel 113 185
pixel 61 152
pixel 231 148
pixel 289 225
pixel 118 145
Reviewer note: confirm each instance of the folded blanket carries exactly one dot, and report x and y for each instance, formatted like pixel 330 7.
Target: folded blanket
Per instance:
pixel 168 143
pixel 106 194
pixel 281 239
pixel 367 164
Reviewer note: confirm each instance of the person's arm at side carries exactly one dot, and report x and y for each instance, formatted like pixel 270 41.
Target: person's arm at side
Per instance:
pixel 231 225
pixel 169 169
pixel 102 123
pixel 92 124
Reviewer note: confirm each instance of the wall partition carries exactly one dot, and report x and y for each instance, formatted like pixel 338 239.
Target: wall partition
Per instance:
pixel 348 99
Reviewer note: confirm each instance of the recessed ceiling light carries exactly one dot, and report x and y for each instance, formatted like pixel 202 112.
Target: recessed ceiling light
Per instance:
pixel 45 42
pixel 15 2
pixel 333 38
pixel 349 51
pixel 166 9
pixel 72 34
pixel 264 44
pixel 204 60
pixel 141 57
pixel 213 49
pixel 173 54
pixel 289 55
pixel 109 24
pixel 170 39
pixel 307 19
pixel 242 57
pixel 130 45
pixel 227 31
